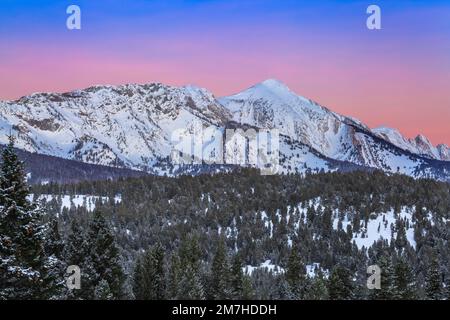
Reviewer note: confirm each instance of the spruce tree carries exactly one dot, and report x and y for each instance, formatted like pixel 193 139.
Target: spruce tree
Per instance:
pixel 447 288
pixel 24 262
pixel 191 283
pixel 76 253
pixel 340 285
pixel 317 288
pixel 433 281
pixel 386 292
pixel 237 278
pixel 138 282
pixel 102 291
pixel 54 279
pixel 295 275
pixel 404 281
pixel 248 292
pixel 173 286
pixel 104 257
pixel 159 274
pixel 149 280
pixel 219 280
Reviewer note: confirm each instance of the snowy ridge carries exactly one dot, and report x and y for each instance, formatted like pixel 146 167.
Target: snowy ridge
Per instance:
pixel 130 126
pixel 419 145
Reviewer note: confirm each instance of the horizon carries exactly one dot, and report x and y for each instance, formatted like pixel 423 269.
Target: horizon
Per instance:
pixel 396 77
pixel 219 97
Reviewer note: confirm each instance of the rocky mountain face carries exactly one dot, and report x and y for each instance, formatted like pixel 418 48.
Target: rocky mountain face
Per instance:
pixel 271 104
pixel 132 126
pixel 419 145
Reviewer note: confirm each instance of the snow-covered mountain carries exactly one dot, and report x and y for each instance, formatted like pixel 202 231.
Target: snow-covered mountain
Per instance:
pixel 419 145
pixel 127 126
pixel 131 126
pixel 272 104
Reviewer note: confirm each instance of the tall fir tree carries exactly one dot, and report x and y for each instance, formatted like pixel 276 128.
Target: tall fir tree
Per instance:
pixel 138 282
pixel 405 285
pixel 433 280
pixel 102 291
pixel 104 257
pixel 76 253
pixel 237 278
pixel 173 286
pixel 295 275
pixel 340 285
pixel 386 292
pixel 24 262
pixel 317 288
pixel 219 280
pixel 149 279
pixel 447 288
pixel 54 280
pixel 191 284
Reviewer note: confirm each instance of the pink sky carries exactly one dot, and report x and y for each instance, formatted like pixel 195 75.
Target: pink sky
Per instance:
pixel 401 80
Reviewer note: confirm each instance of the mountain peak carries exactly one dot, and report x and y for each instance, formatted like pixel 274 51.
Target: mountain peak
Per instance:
pixel 422 139
pixel 274 84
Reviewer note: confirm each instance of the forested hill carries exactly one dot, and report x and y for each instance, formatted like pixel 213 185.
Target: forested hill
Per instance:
pixel 41 169
pixel 321 224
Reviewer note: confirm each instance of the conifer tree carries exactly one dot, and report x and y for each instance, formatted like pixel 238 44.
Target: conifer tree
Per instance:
pixel 433 281
pixel 447 288
pixel 386 292
pixel 295 275
pixel 248 293
pixel 219 286
pixel 191 283
pixel 102 291
pixel 404 281
pixel 104 257
pixel 174 277
pixel 138 282
pixel 54 279
pixel 317 289
pixel 24 263
pixel 149 280
pixel 237 278
pixel 340 285
pixel 76 253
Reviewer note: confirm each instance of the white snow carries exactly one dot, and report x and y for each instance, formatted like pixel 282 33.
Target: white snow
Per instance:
pixel 266 265
pixel 69 202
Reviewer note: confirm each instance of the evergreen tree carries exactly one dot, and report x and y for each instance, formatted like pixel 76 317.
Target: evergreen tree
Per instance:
pixel 447 288
pixel 219 280
pixel 102 291
pixel 104 256
pixel 24 263
pixel 404 281
pixel 295 275
pixel 174 277
pixel 191 285
pixel 76 253
pixel 139 283
pixel 149 281
pixel 340 285
pixel 97 256
pixel 248 293
pixel 237 278
pixel 433 281
pixel 317 289
pixel 386 292
pixel 54 280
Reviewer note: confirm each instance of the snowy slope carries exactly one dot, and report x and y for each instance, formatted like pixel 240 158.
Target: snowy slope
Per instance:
pixel 132 126
pixel 128 126
pixel 419 145
pixel 271 104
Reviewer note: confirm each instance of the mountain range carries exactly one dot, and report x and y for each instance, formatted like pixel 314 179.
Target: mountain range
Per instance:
pixel 131 126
